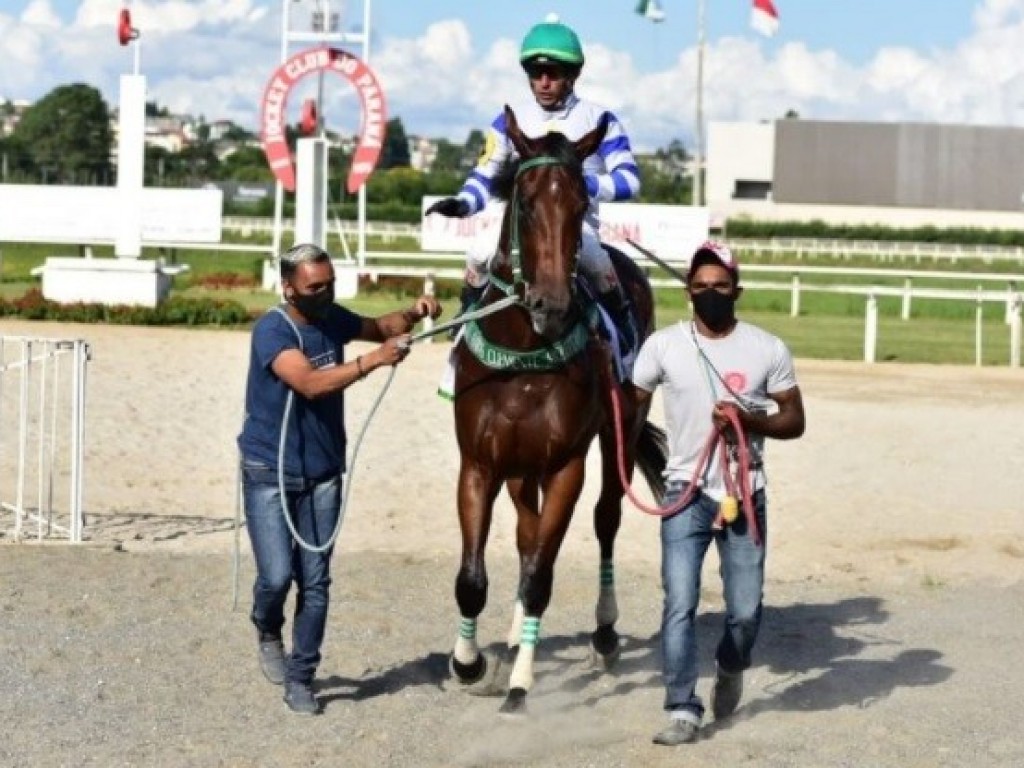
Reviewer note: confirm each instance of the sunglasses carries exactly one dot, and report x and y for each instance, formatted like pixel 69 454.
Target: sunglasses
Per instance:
pixel 553 72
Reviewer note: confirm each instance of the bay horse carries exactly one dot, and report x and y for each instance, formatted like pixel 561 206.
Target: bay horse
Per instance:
pixel 530 396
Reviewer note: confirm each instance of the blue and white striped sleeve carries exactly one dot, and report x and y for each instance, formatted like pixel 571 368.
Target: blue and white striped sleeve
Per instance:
pixel 476 190
pixel 622 179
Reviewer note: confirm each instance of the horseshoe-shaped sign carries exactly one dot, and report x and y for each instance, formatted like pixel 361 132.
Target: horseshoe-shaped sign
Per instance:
pixel 275 101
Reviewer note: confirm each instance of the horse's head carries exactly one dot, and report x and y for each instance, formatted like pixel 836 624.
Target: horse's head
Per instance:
pixel 544 220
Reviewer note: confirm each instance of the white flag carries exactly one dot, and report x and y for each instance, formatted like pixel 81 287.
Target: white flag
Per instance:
pixel 764 18
pixel 650 9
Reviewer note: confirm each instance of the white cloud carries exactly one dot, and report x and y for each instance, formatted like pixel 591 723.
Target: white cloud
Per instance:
pixel 170 16
pixel 213 57
pixel 39 13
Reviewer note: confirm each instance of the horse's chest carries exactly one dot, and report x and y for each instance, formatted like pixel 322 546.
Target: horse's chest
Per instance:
pixel 525 402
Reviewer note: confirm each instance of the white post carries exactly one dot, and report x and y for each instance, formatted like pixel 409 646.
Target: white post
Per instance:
pixel 870 329
pixel 794 297
pixel 907 292
pixel 1011 296
pixel 428 321
pixel 979 316
pixel 131 156
pixel 311 192
pixel 1015 333
pixel 26 373
pixel 81 356
pixel 361 242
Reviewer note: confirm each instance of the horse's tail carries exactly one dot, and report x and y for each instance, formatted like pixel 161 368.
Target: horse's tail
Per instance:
pixel 652 458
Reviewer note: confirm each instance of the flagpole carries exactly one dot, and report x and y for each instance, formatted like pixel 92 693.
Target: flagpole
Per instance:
pixel 698 168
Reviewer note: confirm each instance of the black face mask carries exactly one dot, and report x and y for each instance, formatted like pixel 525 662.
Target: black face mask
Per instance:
pixel 313 306
pixel 716 310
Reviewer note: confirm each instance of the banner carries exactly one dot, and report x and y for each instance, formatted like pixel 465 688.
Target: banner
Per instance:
pixel 672 232
pixel 273 112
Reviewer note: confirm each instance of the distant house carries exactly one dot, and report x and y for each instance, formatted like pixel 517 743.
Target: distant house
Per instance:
pixel 10 114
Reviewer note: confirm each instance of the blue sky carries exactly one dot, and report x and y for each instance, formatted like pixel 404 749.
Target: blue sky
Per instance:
pixel 448 66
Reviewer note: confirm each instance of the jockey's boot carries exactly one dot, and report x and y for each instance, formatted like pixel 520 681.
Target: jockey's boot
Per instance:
pixel 469 296
pixel 616 304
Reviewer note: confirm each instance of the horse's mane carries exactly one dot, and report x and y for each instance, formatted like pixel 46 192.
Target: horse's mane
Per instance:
pixel 554 145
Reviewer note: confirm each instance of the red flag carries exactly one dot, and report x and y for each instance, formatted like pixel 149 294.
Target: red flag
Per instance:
pixel 764 18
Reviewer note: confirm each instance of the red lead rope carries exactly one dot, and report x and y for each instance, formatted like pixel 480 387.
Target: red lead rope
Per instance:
pixel 738 487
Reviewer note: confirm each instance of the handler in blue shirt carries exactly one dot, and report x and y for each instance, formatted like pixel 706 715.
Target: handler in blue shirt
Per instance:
pixel 298 351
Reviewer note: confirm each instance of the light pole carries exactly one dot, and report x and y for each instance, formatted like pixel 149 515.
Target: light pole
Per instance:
pixel 698 165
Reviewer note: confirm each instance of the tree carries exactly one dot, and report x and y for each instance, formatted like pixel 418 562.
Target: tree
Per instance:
pixel 155 110
pixel 67 135
pixel 449 157
pixel 473 148
pixel 395 153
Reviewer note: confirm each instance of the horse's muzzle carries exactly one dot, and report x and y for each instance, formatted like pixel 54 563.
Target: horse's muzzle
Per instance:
pixel 550 313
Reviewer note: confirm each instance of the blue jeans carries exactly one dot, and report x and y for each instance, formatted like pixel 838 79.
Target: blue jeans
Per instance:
pixel 314 508
pixel 685 538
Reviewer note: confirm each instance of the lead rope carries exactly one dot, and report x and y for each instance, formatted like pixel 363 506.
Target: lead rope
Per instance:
pixel 716 439
pixel 239 496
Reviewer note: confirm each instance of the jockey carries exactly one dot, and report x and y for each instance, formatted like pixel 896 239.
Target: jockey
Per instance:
pixel 552 58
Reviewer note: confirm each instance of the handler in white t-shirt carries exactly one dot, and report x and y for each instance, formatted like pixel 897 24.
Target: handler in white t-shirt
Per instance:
pixel 707 366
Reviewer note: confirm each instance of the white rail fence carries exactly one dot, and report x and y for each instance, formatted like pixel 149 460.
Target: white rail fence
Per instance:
pixel 42 428
pixel 1008 293
pixel 800 247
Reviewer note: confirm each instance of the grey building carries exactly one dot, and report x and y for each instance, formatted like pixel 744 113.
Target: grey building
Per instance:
pixel 900 174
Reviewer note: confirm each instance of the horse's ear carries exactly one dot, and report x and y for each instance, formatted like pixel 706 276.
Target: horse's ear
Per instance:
pixel 588 144
pixel 514 133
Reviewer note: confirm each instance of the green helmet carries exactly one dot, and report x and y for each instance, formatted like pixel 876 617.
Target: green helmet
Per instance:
pixel 551 41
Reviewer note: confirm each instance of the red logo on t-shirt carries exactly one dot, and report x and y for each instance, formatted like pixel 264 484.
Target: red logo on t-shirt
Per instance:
pixel 736 381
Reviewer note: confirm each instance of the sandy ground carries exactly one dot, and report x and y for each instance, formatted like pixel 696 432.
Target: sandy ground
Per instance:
pixel 893 603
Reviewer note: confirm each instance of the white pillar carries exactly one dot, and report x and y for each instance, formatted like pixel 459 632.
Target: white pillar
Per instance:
pixel 1015 333
pixel 794 297
pixel 428 321
pixel 870 328
pixel 907 294
pixel 979 319
pixel 131 155
pixel 311 192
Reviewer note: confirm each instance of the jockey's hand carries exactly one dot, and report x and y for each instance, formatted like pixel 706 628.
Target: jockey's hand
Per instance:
pixel 452 207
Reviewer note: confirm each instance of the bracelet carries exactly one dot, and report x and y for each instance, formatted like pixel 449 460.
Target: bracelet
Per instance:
pixel 359 366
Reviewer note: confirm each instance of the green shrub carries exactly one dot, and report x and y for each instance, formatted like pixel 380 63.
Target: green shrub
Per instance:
pixel 174 311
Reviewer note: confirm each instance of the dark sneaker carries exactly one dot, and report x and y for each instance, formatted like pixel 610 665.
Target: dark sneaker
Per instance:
pixel 677 732
pixel 300 700
pixel 725 696
pixel 271 654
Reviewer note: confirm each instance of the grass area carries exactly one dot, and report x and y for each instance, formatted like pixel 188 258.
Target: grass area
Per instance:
pixel 830 326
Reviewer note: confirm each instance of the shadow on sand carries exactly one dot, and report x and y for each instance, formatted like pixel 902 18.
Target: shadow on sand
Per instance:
pixel 817 652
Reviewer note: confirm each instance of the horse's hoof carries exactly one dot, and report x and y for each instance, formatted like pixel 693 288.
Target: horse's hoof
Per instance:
pixel 495 681
pixel 515 702
pixel 467 674
pixel 604 647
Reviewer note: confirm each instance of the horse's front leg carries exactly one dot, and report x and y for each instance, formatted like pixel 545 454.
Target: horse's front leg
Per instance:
pixel 539 538
pixel 477 491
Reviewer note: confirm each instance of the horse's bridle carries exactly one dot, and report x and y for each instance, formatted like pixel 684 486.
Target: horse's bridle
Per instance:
pixel 514 250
